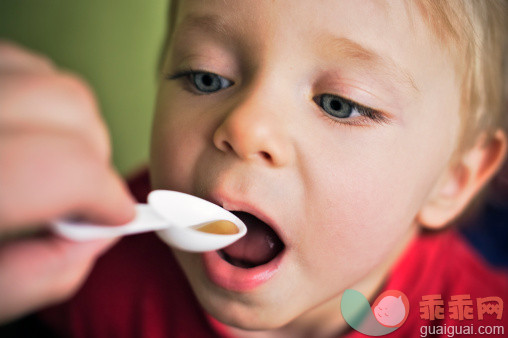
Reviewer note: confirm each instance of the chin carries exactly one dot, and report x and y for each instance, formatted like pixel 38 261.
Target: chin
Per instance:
pixel 252 312
pixel 241 317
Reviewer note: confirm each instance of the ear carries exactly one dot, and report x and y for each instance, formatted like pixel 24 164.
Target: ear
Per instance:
pixel 463 180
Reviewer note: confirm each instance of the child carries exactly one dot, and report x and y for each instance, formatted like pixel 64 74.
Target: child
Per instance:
pixel 339 131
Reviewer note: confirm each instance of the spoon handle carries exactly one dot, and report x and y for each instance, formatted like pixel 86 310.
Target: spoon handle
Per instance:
pixel 146 220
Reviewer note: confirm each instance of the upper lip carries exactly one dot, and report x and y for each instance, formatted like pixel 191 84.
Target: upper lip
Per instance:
pixel 232 204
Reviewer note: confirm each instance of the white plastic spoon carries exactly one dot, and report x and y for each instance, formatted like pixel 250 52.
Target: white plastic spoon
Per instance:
pixel 174 215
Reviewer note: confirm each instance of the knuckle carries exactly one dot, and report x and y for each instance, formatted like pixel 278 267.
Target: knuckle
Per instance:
pixel 76 99
pixel 61 101
pixel 74 84
pixel 6 48
pixel 16 58
pixel 52 89
pixel 9 49
pixel 72 87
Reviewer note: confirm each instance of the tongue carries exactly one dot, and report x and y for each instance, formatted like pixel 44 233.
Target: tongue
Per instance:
pixel 259 246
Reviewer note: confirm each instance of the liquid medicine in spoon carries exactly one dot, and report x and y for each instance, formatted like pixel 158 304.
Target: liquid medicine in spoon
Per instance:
pixel 221 227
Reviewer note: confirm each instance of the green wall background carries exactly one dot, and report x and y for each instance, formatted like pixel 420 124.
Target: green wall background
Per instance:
pixel 113 45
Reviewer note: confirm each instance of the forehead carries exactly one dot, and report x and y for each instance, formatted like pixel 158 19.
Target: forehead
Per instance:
pixel 267 20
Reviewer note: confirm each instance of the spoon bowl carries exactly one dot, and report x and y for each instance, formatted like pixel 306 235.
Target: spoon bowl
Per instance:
pixel 175 217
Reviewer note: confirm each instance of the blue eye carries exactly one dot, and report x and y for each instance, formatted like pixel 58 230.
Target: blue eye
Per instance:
pixel 209 82
pixel 347 111
pixel 202 81
pixel 337 107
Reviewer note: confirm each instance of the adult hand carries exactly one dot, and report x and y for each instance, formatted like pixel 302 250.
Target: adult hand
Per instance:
pixel 54 162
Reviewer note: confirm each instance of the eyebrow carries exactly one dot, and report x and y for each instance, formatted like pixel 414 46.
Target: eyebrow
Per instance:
pixel 343 47
pixel 209 23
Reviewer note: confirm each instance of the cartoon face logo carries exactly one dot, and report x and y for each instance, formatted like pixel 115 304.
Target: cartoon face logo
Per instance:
pixel 390 311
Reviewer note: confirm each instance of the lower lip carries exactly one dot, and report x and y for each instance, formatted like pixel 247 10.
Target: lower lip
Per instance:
pixel 237 279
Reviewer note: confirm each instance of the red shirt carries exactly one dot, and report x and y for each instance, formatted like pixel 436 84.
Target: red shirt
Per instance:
pixel 137 289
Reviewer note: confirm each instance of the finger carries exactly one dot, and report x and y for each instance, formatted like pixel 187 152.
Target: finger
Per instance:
pixel 63 177
pixel 14 58
pixel 111 204
pixel 53 104
pixel 37 272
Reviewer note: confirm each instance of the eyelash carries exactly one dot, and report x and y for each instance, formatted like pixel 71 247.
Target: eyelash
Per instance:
pixel 181 73
pixel 187 73
pixel 367 114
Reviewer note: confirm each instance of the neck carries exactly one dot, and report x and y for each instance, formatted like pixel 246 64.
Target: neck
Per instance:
pixel 325 320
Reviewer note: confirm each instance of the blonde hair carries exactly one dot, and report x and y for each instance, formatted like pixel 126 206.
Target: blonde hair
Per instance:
pixel 476 32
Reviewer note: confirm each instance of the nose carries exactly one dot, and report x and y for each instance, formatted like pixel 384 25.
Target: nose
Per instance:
pixel 254 130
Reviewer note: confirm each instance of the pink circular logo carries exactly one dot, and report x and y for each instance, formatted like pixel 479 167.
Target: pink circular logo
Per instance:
pixel 391 308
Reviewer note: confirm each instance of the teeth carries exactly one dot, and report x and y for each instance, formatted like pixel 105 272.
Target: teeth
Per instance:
pixel 270 241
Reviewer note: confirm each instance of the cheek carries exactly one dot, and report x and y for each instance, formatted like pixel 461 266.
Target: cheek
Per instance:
pixel 365 195
pixel 369 215
pixel 175 145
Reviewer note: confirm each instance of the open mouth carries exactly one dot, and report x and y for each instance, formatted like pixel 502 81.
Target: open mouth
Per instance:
pixel 259 246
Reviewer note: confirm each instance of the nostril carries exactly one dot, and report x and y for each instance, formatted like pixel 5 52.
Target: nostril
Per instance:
pixel 227 147
pixel 266 156
pixel 245 153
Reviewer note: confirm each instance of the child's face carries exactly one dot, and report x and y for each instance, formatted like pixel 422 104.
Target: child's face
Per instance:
pixel 272 132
